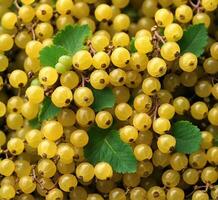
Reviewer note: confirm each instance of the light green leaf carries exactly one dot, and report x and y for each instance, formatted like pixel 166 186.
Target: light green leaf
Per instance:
pixel 132 45
pixel 72 38
pixel 194 40
pixel 188 137
pixel 106 145
pixel 48 110
pixel 103 99
pixel 49 55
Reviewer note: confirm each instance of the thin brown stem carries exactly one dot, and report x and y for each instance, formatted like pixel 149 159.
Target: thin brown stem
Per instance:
pixel 91 49
pixel 159 37
pixel 16 4
pixel 195 6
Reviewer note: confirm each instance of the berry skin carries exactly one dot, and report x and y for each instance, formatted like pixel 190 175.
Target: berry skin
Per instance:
pixel 121 22
pixel 82 60
pixel 7 167
pixel 184 13
pixel 123 111
pixel 79 138
pixel 64 6
pixel 47 148
pixel 85 116
pixel 142 121
pixel 142 152
pixel 33 48
pixel 161 125
pixel 103 171
pixel 62 96
pixel 150 86
pixel 214 50
pixel 83 96
pixel 156 67
pixel 166 111
pixel 138 62
pixel 143 44
pixel 103 12
pixel 163 17
pixel 35 94
pixel 212 116
pixel 173 32
pixel 48 76
pixel 8 20
pixel 128 134
pixel 99 79
pixel 52 130
pixel 2 109
pixel 18 78
pixel 101 60
pixel 188 62
pixel 201 18
pixel 199 110
pixel 170 51
pixel 15 146
pixel 120 57
pixel 6 41
pixel 166 143
pixel 104 119
pixel 209 5
pixel 142 103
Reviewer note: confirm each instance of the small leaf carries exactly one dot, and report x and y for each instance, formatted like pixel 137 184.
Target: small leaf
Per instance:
pixel 103 99
pixel 53 2
pixel 132 13
pixel 188 137
pixel 132 45
pixel 194 40
pixel 48 110
pixel 215 140
pixel 34 123
pixel 72 38
pixel 49 55
pixel 106 145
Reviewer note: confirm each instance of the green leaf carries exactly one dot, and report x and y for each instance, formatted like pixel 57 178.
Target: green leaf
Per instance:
pixel 34 123
pixel 106 145
pixel 49 55
pixel 194 40
pixel 215 140
pixel 132 13
pixel 53 2
pixel 103 99
pixel 72 38
pixel 188 137
pixel 132 45
pixel 48 110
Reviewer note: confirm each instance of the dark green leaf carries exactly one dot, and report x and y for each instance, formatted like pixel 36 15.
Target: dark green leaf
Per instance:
pixel 48 110
pixel 34 123
pixel 49 55
pixel 132 13
pixel 132 45
pixel 216 140
pixel 72 38
pixel 103 99
pixel 188 137
pixel 53 2
pixel 106 145
pixel 194 40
